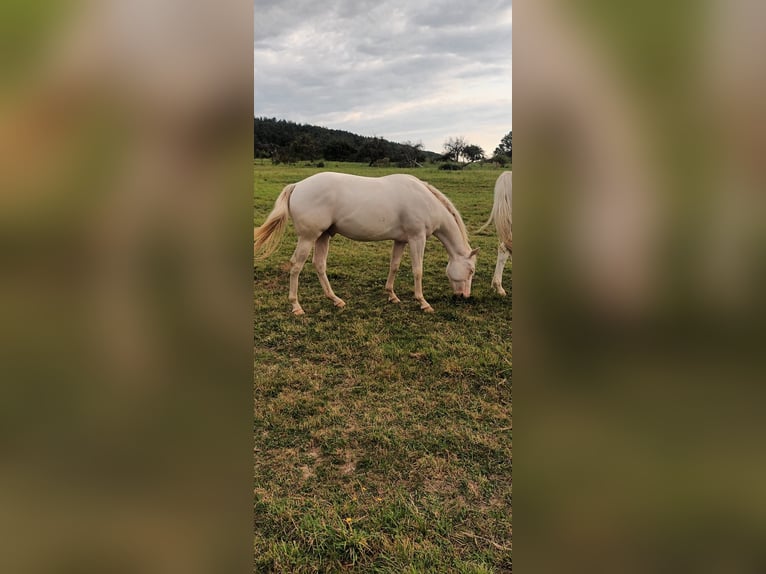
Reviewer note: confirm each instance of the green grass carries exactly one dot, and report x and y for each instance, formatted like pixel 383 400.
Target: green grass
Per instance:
pixel 382 433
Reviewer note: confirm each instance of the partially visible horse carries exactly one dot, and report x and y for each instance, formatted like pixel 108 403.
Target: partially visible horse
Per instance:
pixel 395 207
pixel 502 212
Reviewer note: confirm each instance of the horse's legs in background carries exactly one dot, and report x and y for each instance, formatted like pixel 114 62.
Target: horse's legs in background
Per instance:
pixel 297 261
pixel 321 247
pixel 396 259
pixel 417 249
pixel 502 257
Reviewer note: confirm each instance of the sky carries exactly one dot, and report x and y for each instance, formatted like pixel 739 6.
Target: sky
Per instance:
pixel 421 71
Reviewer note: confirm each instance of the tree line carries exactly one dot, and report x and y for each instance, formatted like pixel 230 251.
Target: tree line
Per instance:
pixel 461 153
pixel 283 141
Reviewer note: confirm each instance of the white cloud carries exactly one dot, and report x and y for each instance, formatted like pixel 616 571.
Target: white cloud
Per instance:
pixel 404 71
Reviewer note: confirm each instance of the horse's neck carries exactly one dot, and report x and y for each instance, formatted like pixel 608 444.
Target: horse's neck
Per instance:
pixel 449 235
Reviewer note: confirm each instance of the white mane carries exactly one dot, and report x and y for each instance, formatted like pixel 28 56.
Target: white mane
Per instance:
pixel 451 208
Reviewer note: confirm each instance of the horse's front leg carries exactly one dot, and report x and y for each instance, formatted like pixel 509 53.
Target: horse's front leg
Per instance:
pixel 417 249
pixel 321 248
pixel 502 257
pixel 396 259
pixel 297 261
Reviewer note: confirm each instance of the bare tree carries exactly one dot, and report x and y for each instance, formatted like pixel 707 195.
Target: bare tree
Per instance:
pixel 457 148
pixel 454 147
pixel 412 154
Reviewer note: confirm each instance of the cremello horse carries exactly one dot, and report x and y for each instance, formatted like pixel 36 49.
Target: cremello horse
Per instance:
pixel 395 207
pixel 502 215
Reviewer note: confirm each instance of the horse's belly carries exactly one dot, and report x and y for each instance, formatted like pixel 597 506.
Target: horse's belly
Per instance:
pixel 377 228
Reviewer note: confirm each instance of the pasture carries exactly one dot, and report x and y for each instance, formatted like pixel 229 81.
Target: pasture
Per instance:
pixel 382 434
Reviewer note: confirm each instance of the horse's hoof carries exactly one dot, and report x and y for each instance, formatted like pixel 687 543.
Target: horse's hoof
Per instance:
pixel 394 299
pixel 298 311
pixel 501 292
pixel 340 303
pixel 428 309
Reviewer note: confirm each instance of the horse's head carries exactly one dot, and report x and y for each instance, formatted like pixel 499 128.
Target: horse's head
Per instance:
pixel 460 270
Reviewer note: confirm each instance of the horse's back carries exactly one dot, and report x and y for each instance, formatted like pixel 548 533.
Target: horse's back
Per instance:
pixel 359 207
pixel 327 181
pixel 340 190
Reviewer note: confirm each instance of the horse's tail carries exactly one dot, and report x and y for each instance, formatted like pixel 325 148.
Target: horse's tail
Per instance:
pixel 502 211
pixel 268 236
pixel 489 221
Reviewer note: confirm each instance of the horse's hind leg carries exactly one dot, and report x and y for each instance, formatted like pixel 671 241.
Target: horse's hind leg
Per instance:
pixel 502 257
pixel 396 259
pixel 321 247
pixel 297 261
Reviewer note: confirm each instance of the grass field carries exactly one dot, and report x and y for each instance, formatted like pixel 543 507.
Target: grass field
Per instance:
pixel 382 433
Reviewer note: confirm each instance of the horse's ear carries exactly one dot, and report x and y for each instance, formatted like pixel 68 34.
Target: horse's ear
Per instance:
pixel 473 252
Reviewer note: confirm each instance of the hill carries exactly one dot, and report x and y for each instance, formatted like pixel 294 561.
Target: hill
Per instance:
pixel 286 142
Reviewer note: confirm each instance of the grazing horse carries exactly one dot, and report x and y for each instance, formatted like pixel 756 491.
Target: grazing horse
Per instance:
pixel 502 212
pixel 394 207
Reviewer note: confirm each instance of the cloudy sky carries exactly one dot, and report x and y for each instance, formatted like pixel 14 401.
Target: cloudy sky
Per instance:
pixel 419 71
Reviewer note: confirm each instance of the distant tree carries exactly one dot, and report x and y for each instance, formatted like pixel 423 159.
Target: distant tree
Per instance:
pixel 272 135
pixel 262 150
pixel 339 150
pixel 282 154
pixel 411 154
pixel 473 153
pixel 304 147
pixel 458 150
pixel 506 146
pixel 453 148
pixel 372 150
